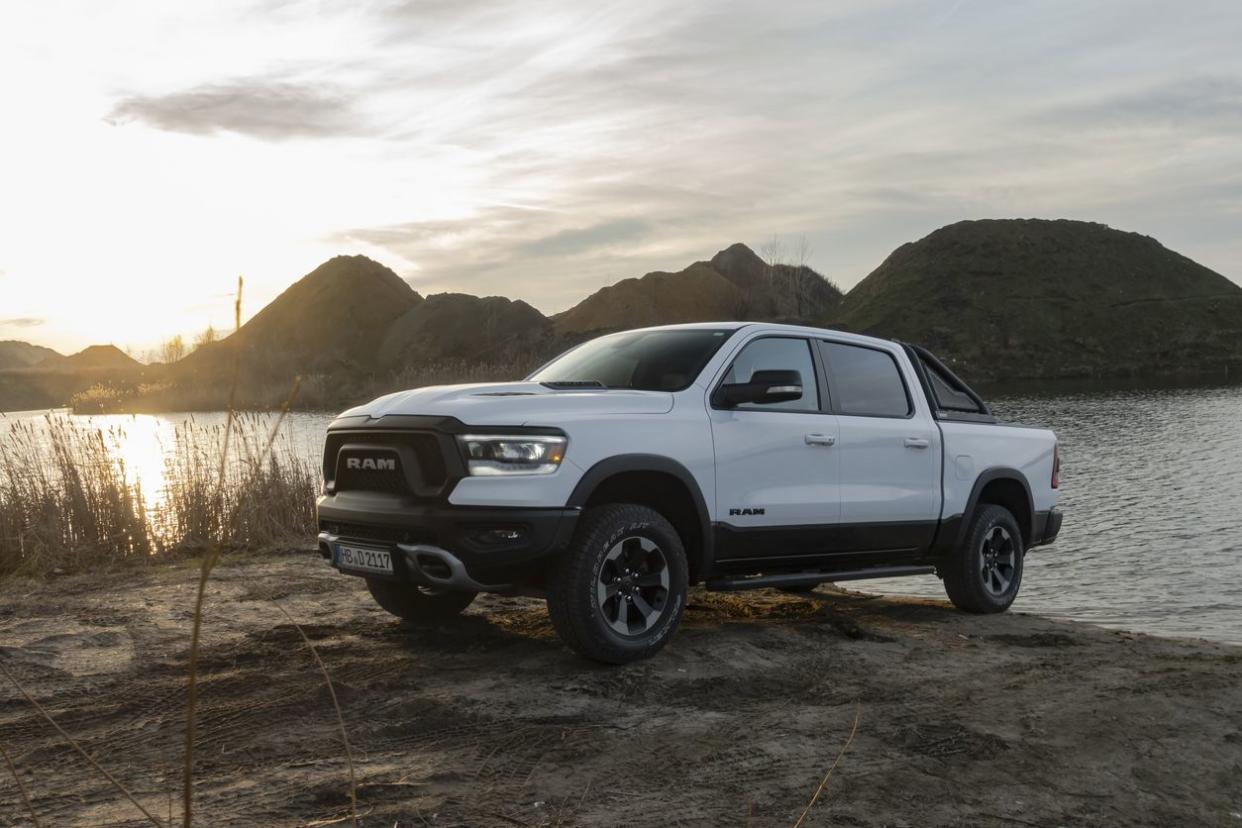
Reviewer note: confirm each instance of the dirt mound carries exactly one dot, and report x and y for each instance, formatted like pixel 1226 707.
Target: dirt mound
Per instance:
pixel 1021 298
pixel 736 284
pixel 332 319
pixel 777 291
pixel 17 354
pixel 457 326
pixel 697 294
pixel 97 358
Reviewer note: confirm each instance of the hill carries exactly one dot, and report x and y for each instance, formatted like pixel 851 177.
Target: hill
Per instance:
pixel 697 294
pixel 332 319
pixel 735 284
pixel 1032 298
pixel 457 326
pixel 17 354
pixel 779 291
pixel 99 358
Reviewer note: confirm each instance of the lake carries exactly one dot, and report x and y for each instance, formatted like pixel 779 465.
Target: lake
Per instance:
pixel 1151 485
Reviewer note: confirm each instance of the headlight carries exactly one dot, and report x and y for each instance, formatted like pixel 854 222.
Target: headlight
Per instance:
pixel 492 454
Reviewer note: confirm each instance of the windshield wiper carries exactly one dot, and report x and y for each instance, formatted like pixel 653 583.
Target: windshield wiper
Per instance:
pixel 573 384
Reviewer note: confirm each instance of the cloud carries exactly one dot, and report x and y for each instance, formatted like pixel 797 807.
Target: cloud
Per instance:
pixel 586 239
pixel 22 322
pixel 1197 104
pixel 268 109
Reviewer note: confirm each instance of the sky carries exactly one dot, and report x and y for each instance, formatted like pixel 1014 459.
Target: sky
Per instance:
pixel 151 152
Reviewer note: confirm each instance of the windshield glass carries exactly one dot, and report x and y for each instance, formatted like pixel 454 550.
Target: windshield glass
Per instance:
pixel 640 360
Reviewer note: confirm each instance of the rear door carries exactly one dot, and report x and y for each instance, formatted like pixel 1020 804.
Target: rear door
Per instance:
pixel 776 466
pixel 888 449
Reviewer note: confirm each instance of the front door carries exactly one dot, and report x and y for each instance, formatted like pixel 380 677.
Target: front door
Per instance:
pixel 776 465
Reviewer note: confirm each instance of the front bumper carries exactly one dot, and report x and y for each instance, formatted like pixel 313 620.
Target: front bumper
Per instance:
pixel 438 544
pixel 1047 526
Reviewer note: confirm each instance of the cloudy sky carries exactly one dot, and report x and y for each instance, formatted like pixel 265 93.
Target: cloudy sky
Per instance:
pixel 153 151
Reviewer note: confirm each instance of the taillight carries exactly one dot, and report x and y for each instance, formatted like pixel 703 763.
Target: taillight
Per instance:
pixel 1056 466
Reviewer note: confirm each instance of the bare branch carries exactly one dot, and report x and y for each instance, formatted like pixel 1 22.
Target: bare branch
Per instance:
pixel 853 731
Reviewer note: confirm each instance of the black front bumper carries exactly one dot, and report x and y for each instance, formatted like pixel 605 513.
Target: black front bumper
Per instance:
pixel 1047 526
pixel 500 546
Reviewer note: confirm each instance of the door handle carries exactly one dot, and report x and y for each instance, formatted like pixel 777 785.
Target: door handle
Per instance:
pixel 917 442
pixel 820 440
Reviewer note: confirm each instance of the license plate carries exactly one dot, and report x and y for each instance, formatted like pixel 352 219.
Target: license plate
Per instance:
pixel 363 559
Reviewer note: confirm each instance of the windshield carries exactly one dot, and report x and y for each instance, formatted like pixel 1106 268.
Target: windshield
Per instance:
pixel 666 360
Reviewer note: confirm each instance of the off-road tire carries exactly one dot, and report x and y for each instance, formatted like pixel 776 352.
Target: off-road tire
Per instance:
pixel 574 604
pixel 967 580
pixel 418 604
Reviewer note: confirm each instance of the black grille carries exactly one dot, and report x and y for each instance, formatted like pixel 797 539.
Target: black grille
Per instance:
pixel 419 461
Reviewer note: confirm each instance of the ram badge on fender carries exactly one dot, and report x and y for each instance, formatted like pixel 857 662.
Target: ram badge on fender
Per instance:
pixel 735 455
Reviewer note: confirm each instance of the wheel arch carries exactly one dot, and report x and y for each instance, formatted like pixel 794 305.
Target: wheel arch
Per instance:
pixel 662 484
pixel 1001 486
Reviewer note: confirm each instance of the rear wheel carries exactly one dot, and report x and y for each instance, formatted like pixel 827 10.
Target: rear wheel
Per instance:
pixel 416 603
pixel 983 576
pixel 617 593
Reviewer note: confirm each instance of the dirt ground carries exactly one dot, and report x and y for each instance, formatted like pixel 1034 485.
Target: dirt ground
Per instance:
pixel 965 721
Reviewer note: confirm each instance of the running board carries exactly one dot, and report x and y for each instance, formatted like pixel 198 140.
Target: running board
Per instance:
pixel 786 579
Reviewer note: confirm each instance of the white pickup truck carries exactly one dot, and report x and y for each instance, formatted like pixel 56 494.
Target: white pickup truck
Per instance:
pixel 734 455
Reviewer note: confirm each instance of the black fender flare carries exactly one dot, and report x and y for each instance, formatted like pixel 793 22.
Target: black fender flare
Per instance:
pixel 985 477
pixel 624 463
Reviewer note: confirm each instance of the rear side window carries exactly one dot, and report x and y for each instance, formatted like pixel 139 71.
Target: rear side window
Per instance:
pixel 865 381
pixel 949 394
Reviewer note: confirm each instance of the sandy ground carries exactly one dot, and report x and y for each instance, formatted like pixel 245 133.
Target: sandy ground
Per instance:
pixel 965 721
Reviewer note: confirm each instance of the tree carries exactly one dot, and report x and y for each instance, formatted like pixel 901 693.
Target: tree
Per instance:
pixel 207 337
pixel 787 264
pixel 172 349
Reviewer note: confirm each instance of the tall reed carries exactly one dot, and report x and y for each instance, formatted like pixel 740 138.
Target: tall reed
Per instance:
pixel 67 501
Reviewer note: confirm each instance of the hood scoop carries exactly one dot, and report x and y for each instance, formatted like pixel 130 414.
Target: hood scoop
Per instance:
pixel 571 384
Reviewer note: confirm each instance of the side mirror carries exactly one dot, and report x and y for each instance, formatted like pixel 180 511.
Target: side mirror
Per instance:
pixel 764 388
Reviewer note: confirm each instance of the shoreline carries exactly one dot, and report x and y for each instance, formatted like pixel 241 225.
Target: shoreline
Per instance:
pixel 965 720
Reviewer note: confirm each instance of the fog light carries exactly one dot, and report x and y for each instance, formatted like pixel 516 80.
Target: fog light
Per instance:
pixel 499 536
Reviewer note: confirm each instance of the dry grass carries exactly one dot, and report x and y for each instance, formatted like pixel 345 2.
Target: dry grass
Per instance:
pixel 67 502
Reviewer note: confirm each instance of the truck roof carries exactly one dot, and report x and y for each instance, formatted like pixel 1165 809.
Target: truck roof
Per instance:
pixel 805 330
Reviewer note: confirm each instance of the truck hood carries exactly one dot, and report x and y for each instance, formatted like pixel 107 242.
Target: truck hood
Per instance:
pixel 514 403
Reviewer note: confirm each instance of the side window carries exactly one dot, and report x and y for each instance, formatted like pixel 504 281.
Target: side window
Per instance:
pixel 777 353
pixel 949 395
pixel 865 381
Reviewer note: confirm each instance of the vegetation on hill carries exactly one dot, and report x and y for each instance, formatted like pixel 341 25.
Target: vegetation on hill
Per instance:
pixel 1031 298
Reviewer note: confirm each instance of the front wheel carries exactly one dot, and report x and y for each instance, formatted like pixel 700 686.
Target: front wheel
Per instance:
pixel 616 594
pixel 984 574
pixel 416 603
